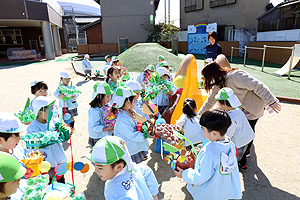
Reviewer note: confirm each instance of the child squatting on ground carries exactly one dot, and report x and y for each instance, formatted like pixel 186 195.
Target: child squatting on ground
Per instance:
pixel 240 131
pixel 124 179
pixel 96 125
pixel 215 175
pixel 126 124
pixel 189 121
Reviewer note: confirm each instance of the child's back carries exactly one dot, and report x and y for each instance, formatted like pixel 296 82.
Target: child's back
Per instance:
pixel 216 176
pixel 240 131
pixel 140 184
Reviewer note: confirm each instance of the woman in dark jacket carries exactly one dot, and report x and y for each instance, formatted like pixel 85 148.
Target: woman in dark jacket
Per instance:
pixel 213 49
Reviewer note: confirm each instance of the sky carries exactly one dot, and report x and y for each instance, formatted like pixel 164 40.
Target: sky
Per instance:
pixel 175 11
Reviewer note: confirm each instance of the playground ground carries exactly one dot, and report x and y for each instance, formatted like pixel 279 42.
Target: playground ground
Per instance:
pixel 273 165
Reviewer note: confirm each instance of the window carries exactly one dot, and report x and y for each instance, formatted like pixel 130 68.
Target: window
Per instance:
pixel 193 5
pixel 10 36
pixel 217 3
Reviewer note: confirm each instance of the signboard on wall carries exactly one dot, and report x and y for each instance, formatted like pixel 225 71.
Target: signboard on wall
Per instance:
pixel 197 37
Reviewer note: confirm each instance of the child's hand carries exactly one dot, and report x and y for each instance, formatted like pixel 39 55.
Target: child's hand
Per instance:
pixel 73 96
pixel 108 129
pixel 170 92
pixel 179 172
pixel 155 197
pixel 61 96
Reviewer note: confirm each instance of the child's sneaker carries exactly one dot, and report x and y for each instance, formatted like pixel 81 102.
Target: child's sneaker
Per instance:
pixel 243 167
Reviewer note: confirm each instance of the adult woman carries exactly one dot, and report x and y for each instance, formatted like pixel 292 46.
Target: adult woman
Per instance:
pixel 252 93
pixel 213 49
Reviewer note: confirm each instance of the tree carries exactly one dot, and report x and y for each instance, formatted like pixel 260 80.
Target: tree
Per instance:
pixel 162 32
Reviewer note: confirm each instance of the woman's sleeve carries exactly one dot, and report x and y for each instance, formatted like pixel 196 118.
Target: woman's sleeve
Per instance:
pixel 210 101
pixel 245 81
pixel 181 121
pixel 219 50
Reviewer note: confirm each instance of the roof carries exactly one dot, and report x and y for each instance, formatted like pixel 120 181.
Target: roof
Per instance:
pixel 286 3
pixel 91 24
pixel 81 7
pixel 86 20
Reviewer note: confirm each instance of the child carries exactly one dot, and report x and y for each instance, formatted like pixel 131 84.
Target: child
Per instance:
pixel 189 121
pixel 240 131
pixel 143 78
pixel 124 179
pixel 166 65
pixel 68 104
pixel 10 174
pixel 160 59
pixel 137 107
pixel 53 153
pixel 107 64
pixel 113 78
pixel 162 99
pixel 215 175
pixel 87 67
pixel 96 125
pixel 38 88
pixel 125 126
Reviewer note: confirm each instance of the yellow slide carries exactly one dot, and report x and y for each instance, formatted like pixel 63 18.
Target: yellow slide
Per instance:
pixel 190 89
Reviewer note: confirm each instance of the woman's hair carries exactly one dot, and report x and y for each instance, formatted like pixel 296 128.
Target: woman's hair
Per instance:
pixel 38 86
pixel 214 75
pixel 97 101
pixel 6 136
pixel 216 120
pixel 212 34
pixel 110 71
pixel 189 106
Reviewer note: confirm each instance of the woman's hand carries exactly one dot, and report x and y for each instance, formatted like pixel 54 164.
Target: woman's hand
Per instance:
pixel 276 107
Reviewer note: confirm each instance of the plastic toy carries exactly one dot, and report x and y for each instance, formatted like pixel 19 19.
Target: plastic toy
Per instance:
pixel 36 187
pixel 68 92
pixel 146 128
pixel 43 139
pixel 98 74
pixel 109 118
pixel 35 164
pixel 27 115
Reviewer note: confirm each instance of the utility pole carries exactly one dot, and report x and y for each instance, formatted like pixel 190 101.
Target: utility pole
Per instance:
pixel 165 11
pixel 169 12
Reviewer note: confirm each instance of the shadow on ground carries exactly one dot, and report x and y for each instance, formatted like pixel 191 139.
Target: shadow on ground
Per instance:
pixel 257 185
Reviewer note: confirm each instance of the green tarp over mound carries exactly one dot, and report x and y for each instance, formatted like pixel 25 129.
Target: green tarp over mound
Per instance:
pixel 139 56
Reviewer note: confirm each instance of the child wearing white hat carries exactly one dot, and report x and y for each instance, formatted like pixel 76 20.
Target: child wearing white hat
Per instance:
pixel 137 107
pixel 162 99
pixel 143 77
pixel 126 124
pixel 66 102
pixel 53 153
pixel 240 130
pixel 107 64
pixel 124 179
pixel 113 78
pixel 87 67
pixel 96 125
pixel 10 129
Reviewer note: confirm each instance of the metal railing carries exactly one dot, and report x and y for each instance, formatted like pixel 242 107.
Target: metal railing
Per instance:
pixel 264 55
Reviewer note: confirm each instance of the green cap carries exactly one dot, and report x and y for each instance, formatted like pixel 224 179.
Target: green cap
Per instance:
pixel 101 88
pixel 10 168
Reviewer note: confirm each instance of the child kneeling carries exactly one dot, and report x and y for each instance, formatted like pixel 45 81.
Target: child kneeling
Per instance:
pixel 216 164
pixel 124 179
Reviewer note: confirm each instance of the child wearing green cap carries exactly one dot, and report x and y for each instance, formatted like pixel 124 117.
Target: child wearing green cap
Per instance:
pixel 124 179
pixel 240 130
pixel 96 125
pixel 126 124
pixel 54 153
pixel 160 59
pixel 10 174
